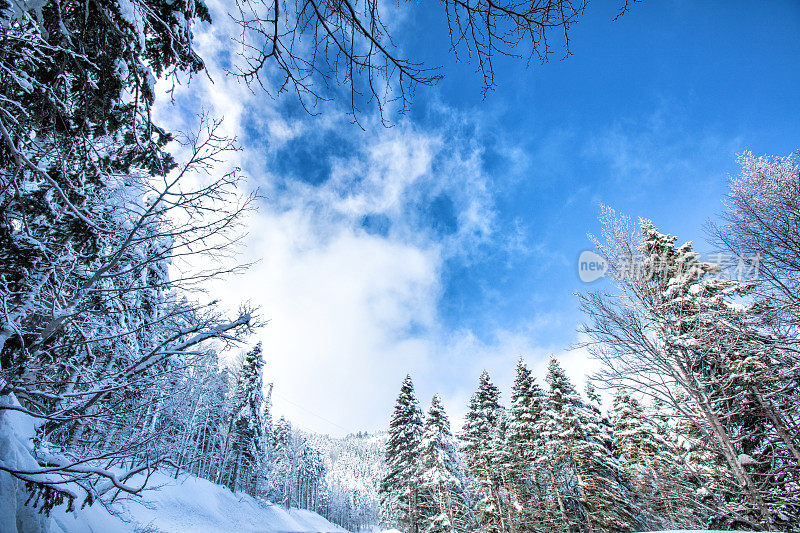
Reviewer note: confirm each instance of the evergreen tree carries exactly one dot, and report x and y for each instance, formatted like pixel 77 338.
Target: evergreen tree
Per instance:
pixel 283 464
pixel 609 501
pixel 728 379
pixel 444 500
pixel 590 491
pixel 657 472
pixel 523 443
pixel 564 511
pixel 400 487
pixel 246 442
pixel 481 437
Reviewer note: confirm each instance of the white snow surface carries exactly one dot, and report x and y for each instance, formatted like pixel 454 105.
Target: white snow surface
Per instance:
pixel 191 504
pixel 16 430
pixel 188 504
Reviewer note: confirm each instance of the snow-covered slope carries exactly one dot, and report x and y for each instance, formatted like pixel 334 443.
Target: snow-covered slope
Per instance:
pixel 190 504
pixel 16 430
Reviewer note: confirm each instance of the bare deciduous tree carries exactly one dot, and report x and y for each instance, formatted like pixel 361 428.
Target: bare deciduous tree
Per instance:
pixel 762 221
pixel 312 46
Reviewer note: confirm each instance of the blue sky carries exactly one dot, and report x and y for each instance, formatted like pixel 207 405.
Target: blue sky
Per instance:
pixel 449 243
pixel 645 116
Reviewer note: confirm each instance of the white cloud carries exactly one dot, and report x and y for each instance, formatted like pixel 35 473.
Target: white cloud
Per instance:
pixel 350 312
pixel 338 307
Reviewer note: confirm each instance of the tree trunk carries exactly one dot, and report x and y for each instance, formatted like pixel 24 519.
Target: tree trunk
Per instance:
pixel 697 391
pixel 560 500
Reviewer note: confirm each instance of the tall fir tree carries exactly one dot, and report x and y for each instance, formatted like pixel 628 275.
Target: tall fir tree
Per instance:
pixel 444 496
pixel 282 464
pixel 666 489
pixel 246 445
pixel 610 503
pixel 399 489
pixel 589 489
pixel 725 366
pixel 523 442
pixel 480 438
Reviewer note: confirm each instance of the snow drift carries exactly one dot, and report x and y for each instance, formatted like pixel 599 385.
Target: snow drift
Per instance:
pixel 191 504
pixel 186 504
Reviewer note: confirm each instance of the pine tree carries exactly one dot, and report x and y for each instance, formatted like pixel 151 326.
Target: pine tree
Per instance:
pixel 523 443
pixel 726 376
pixel 282 464
pixel 565 512
pixel 444 501
pixel 657 472
pixel 481 446
pixel 400 487
pixel 246 444
pixel 609 501
pixel 589 489
pixel 707 473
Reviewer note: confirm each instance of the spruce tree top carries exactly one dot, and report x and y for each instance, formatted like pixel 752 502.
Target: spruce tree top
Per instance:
pixel 405 427
pixel 562 391
pixel 483 415
pixel 437 418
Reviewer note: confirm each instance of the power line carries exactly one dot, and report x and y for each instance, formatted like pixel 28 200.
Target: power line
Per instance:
pixel 284 398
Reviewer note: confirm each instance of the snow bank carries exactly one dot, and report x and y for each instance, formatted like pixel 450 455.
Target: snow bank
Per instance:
pixel 16 431
pixel 188 504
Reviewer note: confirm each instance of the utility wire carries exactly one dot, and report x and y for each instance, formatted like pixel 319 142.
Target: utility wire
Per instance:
pixel 287 400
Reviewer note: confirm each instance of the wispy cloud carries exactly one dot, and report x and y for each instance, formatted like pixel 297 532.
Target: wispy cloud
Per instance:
pixel 660 147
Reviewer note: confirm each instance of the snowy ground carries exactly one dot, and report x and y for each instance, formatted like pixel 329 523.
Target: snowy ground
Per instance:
pixel 190 505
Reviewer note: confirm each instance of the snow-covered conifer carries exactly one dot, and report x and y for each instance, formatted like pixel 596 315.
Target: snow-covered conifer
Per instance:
pixel 523 442
pixel 590 492
pixel 444 497
pixel 483 450
pixel 246 443
pixel 658 473
pixel 400 487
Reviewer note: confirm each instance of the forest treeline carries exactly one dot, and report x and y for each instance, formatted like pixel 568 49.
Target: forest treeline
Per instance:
pixel 700 361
